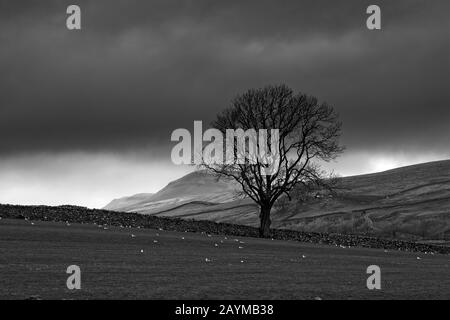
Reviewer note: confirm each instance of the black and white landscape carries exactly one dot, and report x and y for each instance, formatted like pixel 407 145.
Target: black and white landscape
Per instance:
pixel 94 95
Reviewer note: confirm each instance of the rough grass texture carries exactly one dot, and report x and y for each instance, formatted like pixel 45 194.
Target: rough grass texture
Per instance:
pixel 74 214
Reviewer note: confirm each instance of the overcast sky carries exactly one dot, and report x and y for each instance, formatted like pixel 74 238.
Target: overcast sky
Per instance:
pixel 86 116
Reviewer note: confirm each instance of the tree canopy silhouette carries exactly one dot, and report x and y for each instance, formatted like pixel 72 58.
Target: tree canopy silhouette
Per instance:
pixel 308 132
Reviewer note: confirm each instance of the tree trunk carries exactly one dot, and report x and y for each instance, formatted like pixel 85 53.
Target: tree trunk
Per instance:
pixel 264 217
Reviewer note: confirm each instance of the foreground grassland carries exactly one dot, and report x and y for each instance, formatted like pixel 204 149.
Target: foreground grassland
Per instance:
pixel 132 263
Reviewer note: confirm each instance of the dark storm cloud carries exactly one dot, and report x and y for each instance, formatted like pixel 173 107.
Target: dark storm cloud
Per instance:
pixel 139 69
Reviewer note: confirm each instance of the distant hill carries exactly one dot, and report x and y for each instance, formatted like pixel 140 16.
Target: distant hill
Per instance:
pixel 407 202
pixel 128 202
pixel 197 187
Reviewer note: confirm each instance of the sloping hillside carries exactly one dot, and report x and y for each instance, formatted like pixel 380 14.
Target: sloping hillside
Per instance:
pixel 407 202
pixel 128 202
pixel 195 189
pixel 411 201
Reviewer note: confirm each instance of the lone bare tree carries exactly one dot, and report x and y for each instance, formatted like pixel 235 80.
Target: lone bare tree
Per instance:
pixel 308 131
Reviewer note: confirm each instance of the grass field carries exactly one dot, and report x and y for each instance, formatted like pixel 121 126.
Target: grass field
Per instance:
pixel 34 257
